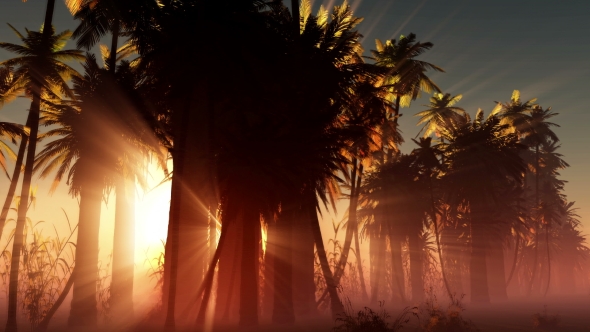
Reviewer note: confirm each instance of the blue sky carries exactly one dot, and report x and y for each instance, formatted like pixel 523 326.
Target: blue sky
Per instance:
pixel 487 49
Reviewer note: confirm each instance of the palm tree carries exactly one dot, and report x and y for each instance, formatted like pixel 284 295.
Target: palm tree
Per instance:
pixel 407 75
pixel 81 155
pixel 429 165
pixel 481 147
pixel 440 113
pixel 40 66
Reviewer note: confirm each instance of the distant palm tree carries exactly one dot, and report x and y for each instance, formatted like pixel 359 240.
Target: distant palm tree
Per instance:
pixel 40 66
pixel 441 114
pixel 407 75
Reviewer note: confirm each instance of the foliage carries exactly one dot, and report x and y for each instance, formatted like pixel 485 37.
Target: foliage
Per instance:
pixel 438 320
pixel 47 264
pixel 367 320
pixel 545 321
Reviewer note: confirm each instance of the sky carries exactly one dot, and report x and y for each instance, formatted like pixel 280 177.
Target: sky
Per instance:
pixel 487 49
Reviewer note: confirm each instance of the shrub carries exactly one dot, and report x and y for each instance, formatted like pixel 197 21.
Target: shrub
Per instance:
pixel 451 320
pixel 544 321
pixel 367 320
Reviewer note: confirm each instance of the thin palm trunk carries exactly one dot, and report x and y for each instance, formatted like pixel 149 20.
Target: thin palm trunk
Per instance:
pixel 548 260
pixel 15 176
pixel 359 265
pixel 207 284
pixel 437 236
pixel 396 264
pixel 335 303
pixel 351 224
pixel 416 266
pixel 536 256
pixel 515 260
pixel 42 327
pixel 11 324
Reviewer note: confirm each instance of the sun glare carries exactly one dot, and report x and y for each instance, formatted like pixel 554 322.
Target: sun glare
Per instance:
pixel 151 213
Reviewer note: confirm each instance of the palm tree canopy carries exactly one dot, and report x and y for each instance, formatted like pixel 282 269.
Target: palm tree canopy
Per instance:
pixel 407 75
pixel 440 113
pixel 40 65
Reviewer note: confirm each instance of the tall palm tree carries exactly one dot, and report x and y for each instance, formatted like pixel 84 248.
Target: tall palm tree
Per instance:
pixel 481 147
pixel 40 66
pixel 83 157
pixel 427 161
pixel 407 75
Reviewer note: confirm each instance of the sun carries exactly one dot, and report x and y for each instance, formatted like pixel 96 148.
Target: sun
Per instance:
pixel 151 213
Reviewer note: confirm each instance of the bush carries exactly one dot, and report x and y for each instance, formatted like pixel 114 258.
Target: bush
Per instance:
pixel 367 320
pixel 450 320
pixel 543 321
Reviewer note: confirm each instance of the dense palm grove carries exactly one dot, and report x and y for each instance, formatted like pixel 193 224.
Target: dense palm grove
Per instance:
pixel 266 120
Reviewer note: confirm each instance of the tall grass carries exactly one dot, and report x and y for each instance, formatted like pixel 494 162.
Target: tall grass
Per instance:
pixel 47 263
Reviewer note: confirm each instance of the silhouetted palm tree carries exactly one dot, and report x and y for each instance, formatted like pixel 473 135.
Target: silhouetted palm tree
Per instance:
pixel 440 113
pixel 40 65
pixel 407 75
pixel 481 157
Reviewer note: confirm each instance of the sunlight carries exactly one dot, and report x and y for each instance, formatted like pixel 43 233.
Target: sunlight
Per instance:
pixel 151 212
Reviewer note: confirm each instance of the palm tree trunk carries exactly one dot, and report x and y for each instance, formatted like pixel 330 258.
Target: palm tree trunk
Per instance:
pixel 397 269
pixel 359 265
pixel 351 224
pixel 115 30
pixel 335 303
pixel 536 256
pixel 207 284
pixel 478 267
pixel 11 324
pixel 15 176
pixel 437 236
pixel 515 260
pixel 283 311
pixel 121 300
pixel 83 312
pixel 548 259
pixel 416 266
pixel 249 276
pixel 303 266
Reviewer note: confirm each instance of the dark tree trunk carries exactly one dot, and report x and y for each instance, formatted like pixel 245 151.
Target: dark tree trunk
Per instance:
pixel 398 278
pixel 378 247
pixel 303 266
pixel 228 287
pixel 478 267
pixel 189 207
pixel 497 273
pixel 283 311
pixel 249 267
pixel 537 222
pixel 416 266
